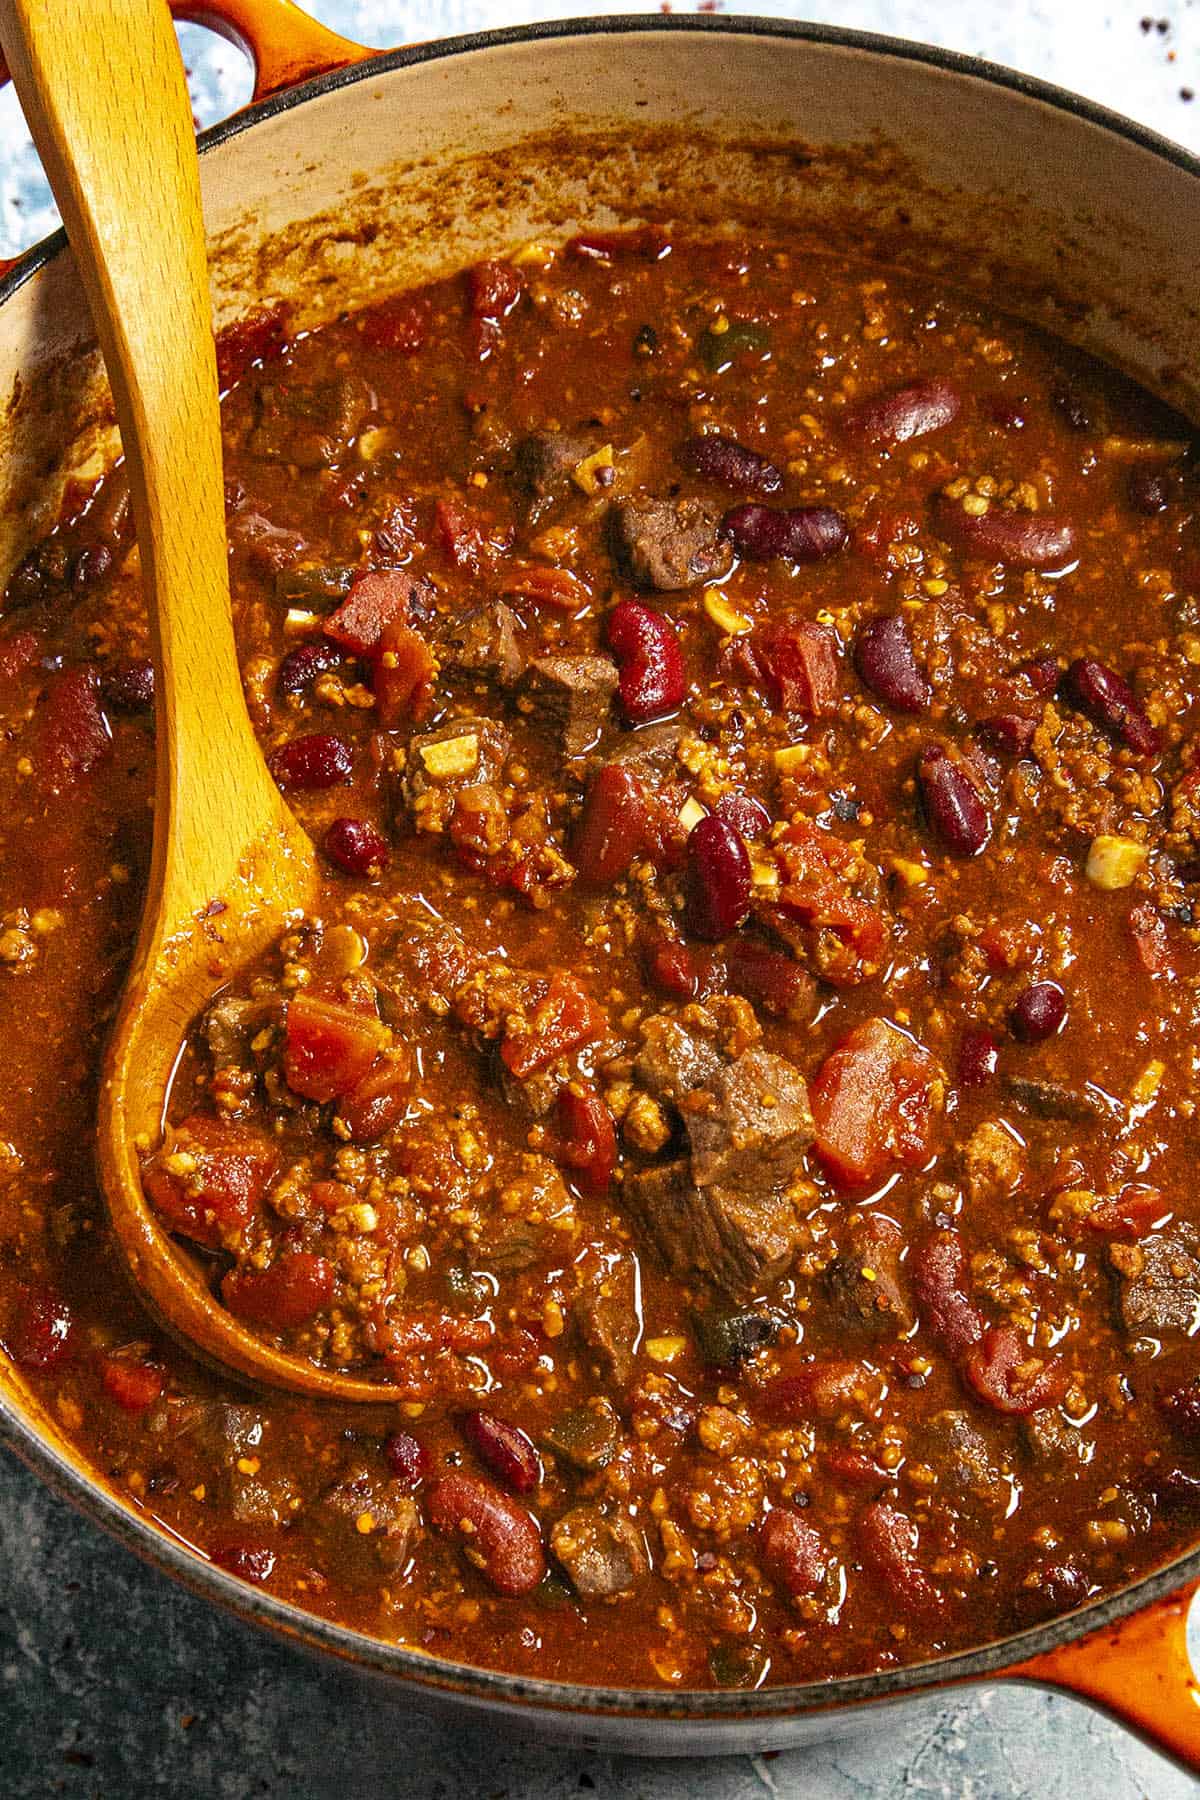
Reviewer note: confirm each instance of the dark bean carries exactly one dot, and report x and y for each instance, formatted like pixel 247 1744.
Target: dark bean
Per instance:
pixel 792 1552
pixel 1109 702
pixel 249 1562
pixel 1023 540
pixel 907 412
pixel 1041 672
pixel 407 1459
pixel 748 816
pixel 978 1055
pixel 730 464
pixel 1149 491
pixel 887 664
pixel 302 666
pixel 1008 414
pixel 505 1449
pixel 799 534
pixel 649 659
pixel 317 760
pixel 1038 1012
pixel 1180 1406
pixel 718 879
pixel 356 847
pixel 40 1331
pixel 129 686
pixel 952 803
pixel 1007 733
pixel 500 1538
pixel 39 575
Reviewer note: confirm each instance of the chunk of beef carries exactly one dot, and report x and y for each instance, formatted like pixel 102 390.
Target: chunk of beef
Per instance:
pixel 310 425
pixel 545 460
pixel 607 1320
pixel 1052 1100
pixel 230 1025
pixel 574 695
pixel 668 544
pixel 484 645
pixel 467 752
pixel 865 1281
pixel 757 1126
pixel 993 1162
pixel 1052 1444
pixel 674 1061
pixel 228 1441
pixel 1158 1281
pixel 734 1240
pixel 603 1556
pixel 971 1477
pixel 365 1525
pixel 586 1437
pixel 649 752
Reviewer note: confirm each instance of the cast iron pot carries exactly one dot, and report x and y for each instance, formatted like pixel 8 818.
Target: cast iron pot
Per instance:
pixel 353 172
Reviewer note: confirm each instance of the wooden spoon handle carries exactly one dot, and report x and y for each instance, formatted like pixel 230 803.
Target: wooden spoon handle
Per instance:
pixel 121 160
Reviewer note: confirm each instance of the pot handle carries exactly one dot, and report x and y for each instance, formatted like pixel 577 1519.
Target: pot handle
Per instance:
pixel 1138 1670
pixel 285 45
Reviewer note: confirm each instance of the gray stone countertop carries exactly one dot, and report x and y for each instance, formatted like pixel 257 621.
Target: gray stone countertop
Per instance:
pixel 115 1683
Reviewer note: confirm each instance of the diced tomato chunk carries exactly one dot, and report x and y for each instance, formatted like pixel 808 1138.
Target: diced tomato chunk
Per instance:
pixel 587 1141
pixel 1148 929
pixel 462 535
pixel 816 870
pixel 793 1554
pixel 73 734
pixel 377 599
pixel 544 585
pixel 648 242
pixel 817 1389
pixel 375 1103
pixel 329 1047
pixel 874 1103
pixel 564 1021
pixel 1130 1213
pixel 133 1385
pixel 402 676
pixel 252 340
pixel 797 663
pixel 613 828
pixel 493 289
pixel 287 1293
pixel 1006 1374
pixel 208 1182
pixel 399 323
pixel 18 652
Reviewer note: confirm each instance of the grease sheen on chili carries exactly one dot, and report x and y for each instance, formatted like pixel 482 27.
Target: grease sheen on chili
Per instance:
pixel 741 1080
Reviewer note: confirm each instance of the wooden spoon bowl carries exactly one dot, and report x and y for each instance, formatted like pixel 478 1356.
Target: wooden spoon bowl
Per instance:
pixel 103 92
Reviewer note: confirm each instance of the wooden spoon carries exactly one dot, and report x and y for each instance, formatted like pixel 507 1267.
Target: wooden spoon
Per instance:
pixel 103 91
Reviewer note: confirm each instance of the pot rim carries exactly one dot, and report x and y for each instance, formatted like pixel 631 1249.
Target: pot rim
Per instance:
pixel 176 1556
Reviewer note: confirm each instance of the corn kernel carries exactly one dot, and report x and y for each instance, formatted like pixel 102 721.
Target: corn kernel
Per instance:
pixel 912 874
pixel 1147 1083
pixel 691 813
pixel 453 756
pixel 790 758
pixel 665 1349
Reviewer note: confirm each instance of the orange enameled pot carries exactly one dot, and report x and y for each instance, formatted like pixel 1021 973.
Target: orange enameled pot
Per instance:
pixel 353 172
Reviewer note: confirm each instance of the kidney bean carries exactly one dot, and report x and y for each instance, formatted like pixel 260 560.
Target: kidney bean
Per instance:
pixel 718 875
pixel 772 979
pixel 1038 1012
pixel 132 1385
pixel 505 1449
pixel 1180 1406
pixel 356 847
pixel 301 666
pixel 248 1561
pixel 978 1056
pixel 1006 1374
pixel 407 1460
pixel 730 464
pixel 649 661
pixel 129 686
pixel 1041 672
pixel 1109 702
pixel 1149 491
pixel 799 534
pixel 1007 733
pixel 40 1331
pixel 939 1277
pixel 1022 540
pixel 672 967
pixel 499 1538
pixel 907 412
pixel 1050 1589
pixel 887 664
pixel 317 760
pixel 952 803
pixel 792 1552
pixel 819 1389
pixel 889 1543
pixel 748 816
pixel 613 826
